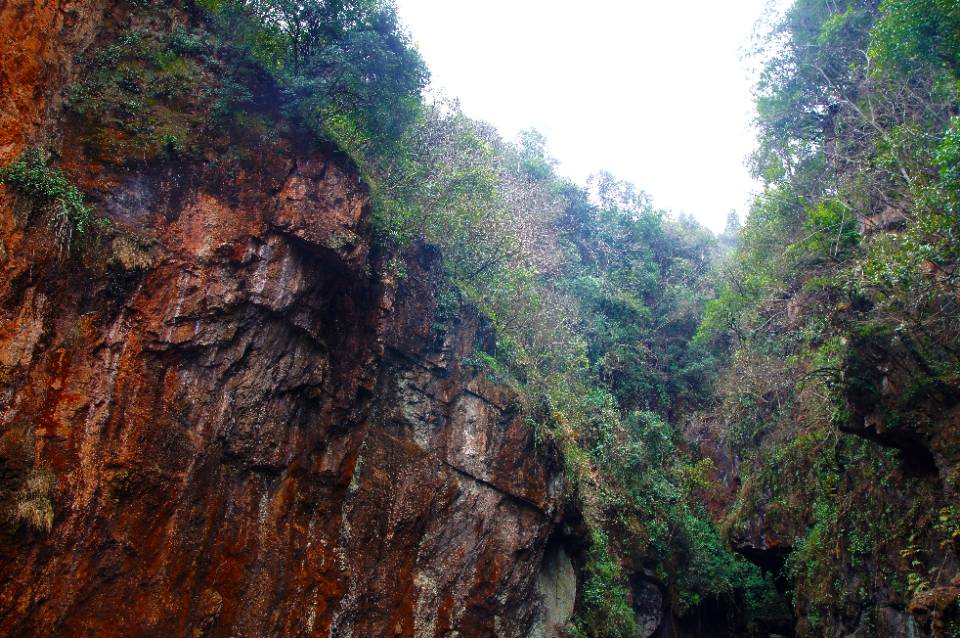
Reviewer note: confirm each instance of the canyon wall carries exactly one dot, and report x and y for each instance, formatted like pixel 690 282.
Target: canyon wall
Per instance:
pixel 227 418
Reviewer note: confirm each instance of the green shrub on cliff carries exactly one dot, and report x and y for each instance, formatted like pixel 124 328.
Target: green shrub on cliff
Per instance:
pixel 46 188
pixel 346 67
pixel 606 607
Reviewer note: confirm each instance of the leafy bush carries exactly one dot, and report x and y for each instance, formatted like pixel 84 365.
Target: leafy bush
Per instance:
pixel 347 69
pixel 606 609
pixel 31 178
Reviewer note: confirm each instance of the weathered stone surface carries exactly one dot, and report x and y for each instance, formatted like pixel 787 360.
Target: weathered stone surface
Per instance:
pixel 557 585
pixel 37 40
pixel 250 434
pixel 649 606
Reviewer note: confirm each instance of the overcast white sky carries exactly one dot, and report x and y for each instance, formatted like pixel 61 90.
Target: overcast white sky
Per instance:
pixel 653 91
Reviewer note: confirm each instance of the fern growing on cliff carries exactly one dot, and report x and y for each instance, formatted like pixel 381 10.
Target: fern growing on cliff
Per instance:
pixel 46 188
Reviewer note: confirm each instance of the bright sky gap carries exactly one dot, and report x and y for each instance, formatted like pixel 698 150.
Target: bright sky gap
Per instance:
pixel 657 93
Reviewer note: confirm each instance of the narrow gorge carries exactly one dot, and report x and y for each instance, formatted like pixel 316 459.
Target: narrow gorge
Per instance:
pixel 287 349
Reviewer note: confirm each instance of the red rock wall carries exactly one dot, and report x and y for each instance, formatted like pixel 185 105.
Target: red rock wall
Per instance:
pixel 37 41
pixel 250 434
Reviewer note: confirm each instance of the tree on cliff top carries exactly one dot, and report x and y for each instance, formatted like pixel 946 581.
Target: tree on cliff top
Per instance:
pixel 346 66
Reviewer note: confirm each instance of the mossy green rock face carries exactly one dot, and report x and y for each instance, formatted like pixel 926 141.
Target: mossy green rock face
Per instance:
pixel 839 399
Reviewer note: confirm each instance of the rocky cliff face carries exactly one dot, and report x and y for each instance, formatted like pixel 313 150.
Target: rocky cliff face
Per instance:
pixel 891 466
pixel 221 422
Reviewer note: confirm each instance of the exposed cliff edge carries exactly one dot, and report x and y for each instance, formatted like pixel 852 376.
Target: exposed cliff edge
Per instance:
pixel 239 430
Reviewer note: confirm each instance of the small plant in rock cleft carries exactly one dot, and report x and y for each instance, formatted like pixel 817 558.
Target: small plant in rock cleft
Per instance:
pixel 34 502
pixel 48 190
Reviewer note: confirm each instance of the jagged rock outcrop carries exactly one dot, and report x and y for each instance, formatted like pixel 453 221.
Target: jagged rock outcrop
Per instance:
pixel 236 427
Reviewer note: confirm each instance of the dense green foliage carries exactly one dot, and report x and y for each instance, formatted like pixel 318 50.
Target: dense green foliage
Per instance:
pixel 596 297
pixel 345 68
pixel 839 309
